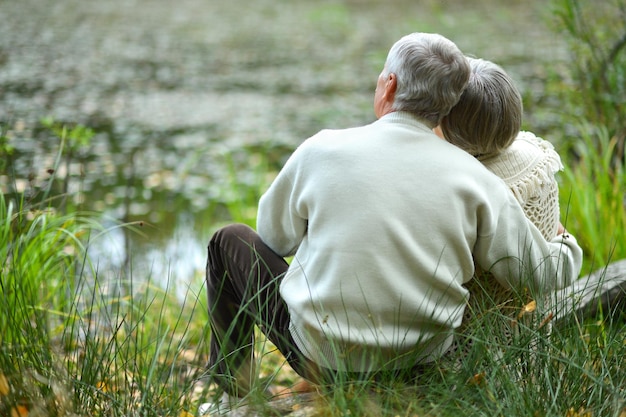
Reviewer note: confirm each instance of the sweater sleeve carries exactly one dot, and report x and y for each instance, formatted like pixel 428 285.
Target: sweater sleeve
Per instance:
pixel 278 223
pixel 518 255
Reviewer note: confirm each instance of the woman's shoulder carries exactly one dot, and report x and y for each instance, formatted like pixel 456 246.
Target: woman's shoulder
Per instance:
pixel 526 166
pixel 529 142
pixel 526 153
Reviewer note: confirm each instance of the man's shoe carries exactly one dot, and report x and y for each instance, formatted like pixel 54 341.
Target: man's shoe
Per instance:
pixel 224 405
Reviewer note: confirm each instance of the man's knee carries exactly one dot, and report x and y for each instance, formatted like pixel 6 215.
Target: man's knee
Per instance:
pixel 236 232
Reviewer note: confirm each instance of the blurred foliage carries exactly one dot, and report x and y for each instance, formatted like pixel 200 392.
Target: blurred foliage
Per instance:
pixel 6 149
pixel 593 197
pixel 590 90
pixel 593 86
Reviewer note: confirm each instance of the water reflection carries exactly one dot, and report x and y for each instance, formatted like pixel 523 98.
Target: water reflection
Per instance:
pixel 177 261
pixel 176 91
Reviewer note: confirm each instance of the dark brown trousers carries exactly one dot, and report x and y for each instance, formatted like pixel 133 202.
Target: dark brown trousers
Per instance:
pixel 243 278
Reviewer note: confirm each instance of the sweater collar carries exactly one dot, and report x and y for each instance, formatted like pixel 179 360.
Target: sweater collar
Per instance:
pixel 406 118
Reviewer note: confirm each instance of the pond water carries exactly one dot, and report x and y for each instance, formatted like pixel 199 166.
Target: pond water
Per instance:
pixel 184 96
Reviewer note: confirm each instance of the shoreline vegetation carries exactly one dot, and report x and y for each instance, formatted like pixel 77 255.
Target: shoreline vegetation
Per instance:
pixel 81 340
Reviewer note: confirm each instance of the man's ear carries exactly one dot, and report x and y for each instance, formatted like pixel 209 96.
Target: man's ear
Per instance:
pixel 390 86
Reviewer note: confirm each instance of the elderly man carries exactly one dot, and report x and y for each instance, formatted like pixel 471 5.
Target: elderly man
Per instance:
pixel 385 223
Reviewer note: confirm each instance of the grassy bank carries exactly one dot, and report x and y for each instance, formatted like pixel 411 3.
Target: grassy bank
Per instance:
pixel 77 342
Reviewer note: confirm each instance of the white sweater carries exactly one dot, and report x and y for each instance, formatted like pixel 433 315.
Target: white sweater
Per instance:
pixel 385 222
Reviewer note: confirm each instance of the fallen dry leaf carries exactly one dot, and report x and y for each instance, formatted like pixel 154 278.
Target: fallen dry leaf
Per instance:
pixel 4 385
pixel 19 411
pixel 477 379
pixel 528 308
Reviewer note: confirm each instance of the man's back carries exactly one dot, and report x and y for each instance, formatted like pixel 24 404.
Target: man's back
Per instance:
pixel 392 216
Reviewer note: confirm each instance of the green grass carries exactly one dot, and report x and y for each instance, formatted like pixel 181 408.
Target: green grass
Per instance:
pixel 593 197
pixel 77 343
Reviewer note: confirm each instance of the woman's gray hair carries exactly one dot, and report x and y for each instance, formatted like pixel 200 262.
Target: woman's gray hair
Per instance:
pixel 488 117
pixel 431 74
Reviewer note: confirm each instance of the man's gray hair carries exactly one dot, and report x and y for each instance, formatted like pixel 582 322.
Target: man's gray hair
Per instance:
pixel 431 74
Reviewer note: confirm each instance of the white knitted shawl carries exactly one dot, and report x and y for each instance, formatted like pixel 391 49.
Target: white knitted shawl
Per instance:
pixel 528 167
